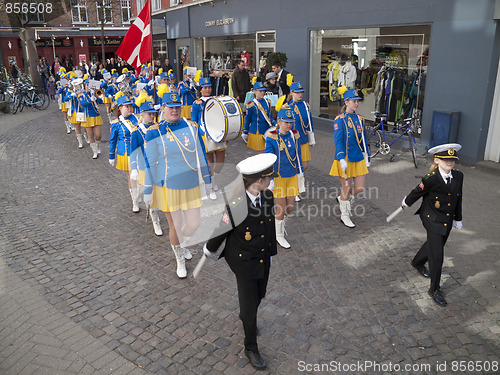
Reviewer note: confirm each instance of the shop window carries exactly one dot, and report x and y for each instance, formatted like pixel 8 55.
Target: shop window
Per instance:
pixel 79 11
pixel 126 9
pixel 222 53
pixel 33 17
pixel 156 5
pixel 104 11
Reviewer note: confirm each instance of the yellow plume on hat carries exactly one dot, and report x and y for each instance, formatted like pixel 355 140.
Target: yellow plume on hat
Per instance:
pixel 253 80
pixel 113 70
pixel 197 76
pixel 143 97
pixel 118 94
pixel 124 70
pixel 162 89
pixel 280 102
pixel 85 76
pixel 149 64
pixel 171 71
pixel 160 71
pixel 62 69
pixel 289 79
pixel 341 90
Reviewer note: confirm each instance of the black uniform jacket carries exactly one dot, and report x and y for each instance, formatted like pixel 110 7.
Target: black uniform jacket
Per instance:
pixel 441 203
pixel 250 245
pixel 282 82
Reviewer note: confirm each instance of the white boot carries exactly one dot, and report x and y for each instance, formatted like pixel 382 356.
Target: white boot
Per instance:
pixel 351 199
pixel 68 127
pixel 93 146
pixel 98 144
pixel 86 137
pixel 79 138
pixel 155 218
pixel 280 236
pixel 72 126
pixel 181 264
pixel 345 214
pixel 110 117
pixel 214 185
pixel 212 194
pixel 184 245
pixel 135 204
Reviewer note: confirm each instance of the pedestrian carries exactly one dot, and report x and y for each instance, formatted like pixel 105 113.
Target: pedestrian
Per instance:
pixel 258 119
pixel 177 170
pixel 270 84
pixel 240 82
pixel 43 72
pixel 284 143
pixel 56 65
pixel 352 157
pixel 119 143
pixel 284 80
pixel 440 211
pixel 250 245
pixel 166 66
pixel 51 88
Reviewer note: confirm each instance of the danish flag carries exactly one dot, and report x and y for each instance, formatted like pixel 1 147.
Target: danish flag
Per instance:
pixel 136 45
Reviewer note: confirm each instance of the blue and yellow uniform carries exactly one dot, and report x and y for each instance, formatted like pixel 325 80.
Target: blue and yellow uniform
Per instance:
pixel 111 90
pixel 119 141
pixel 303 123
pixel 104 88
pixel 288 164
pixel 257 121
pixel 187 91
pixel 75 107
pixel 348 129
pixel 92 114
pixel 172 178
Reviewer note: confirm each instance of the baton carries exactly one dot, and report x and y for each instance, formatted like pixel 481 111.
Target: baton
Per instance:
pixel 394 214
pixel 200 265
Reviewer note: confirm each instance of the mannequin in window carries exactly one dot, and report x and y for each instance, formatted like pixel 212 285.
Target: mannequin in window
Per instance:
pixel 245 57
pixel 218 63
pixel 347 75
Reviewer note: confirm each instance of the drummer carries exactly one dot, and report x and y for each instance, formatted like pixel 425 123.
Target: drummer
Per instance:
pixel 216 152
pixel 258 119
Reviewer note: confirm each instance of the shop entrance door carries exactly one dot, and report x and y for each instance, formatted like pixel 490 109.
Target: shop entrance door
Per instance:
pixel 265 44
pixel 492 151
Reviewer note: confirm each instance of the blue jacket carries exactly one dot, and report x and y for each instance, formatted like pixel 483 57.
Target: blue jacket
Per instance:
pixel 286 148
pixel 171 156
pixel 137 147
pixel 197 114
pixel 345 129
pixel 111 90
pixel 76 106
pixel 303 119
pixel 120 135
pixel 90 106
pixel 188 94
pixel 255 121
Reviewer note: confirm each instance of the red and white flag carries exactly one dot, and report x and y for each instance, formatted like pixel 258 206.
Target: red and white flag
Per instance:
pixel 136 45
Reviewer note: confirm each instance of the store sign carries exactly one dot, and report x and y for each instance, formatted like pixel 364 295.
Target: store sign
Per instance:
pixel 221 22
pixel 107 42
pixel 41 43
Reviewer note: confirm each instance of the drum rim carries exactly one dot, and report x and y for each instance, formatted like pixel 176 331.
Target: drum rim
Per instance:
pixel 226 122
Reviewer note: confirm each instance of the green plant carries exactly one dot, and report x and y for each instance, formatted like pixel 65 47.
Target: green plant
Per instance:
pixel 277 57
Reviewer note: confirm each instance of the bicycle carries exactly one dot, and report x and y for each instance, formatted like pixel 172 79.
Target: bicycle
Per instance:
pixel 31 97
pixel 377 143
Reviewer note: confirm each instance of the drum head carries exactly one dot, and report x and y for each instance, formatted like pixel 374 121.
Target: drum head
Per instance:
pixel 222 118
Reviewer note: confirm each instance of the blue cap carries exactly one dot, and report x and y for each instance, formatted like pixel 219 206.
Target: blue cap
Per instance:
pixel 171 76
pixel 297 87
pixel 115 75
pixel 146 106
pixel 123 100
pixel 205 82
pixel 171 99
pixel 351 95
pixel 258 86
pixel 286 114
pixel 164 75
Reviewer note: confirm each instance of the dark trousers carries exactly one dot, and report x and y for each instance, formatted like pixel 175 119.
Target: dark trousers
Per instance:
pixel 432 251
pixel 250 293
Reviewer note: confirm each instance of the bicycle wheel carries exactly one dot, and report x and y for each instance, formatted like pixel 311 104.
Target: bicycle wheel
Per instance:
pixel 413 148
pixel 374 140
pixel 40 100
pixel 15 103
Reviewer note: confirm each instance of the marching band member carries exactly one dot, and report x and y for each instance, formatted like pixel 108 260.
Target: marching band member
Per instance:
pixel 107 101
pixel 119 143
pixel 187 91
pixel 77 111
pixel 93 120
pixel 111 90
pixel 350 150
pixel 137 145
pixel 172 86
pixel 258 119
pixel 63 97
pixel 303 122
pixel 176 159
pixel 216 152
pixel 440 211
pixel 284 143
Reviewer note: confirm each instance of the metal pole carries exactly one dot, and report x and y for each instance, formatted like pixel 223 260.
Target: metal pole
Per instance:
pixel 103 57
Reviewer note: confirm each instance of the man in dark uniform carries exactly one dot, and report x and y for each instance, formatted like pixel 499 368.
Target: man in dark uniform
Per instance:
pixel 441 209
pixel 282 78
pixel 250 244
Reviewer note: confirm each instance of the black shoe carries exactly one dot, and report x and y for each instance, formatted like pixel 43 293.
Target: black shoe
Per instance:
pixel 256 360
pixel 437 296
pixel 422 270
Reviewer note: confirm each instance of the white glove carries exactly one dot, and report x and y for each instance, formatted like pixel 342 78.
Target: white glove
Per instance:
pixel 368 164
pixel 134 174
pixel 245 137
pixel 110 96
pixel 151 83
pixel 92 91
pixel 343 165
pixel 271 185
pixel 73 94
pixel 93 98
pixel 207 252
pixel 112 162
pixel 148 199
pixel 157 106
pixel 403 203
pixel 457 224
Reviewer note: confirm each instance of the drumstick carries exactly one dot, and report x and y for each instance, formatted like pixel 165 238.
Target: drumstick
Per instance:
pixel 200 265
pixel 394 214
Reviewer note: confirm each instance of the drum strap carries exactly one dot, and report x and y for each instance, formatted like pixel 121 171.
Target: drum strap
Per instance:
pixel 263 111
pixel 127 123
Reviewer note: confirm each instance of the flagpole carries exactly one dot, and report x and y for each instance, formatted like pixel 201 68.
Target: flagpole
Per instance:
pixel 152 53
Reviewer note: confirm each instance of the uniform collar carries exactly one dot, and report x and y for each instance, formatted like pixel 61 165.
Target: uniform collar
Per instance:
pixel 445 175
pixel 253 197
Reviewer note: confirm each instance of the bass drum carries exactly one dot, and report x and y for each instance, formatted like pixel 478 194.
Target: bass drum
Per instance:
pixel 266 134
pixel 222 118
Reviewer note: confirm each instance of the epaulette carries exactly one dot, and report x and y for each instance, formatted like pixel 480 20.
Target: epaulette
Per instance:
pixel 153 127
pixel 250 104
pixel 115 121
pixel 296 134
pixel 192 123
pixel 362 118
pixel 273 135
pixel 342 115
pixel 235 202
pixel 198 101
pixel 429 175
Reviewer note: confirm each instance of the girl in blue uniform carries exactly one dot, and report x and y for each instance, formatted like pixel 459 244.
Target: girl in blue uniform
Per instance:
pixel 119 143
pixel 93 120
pixel 350 145
pixel 258 119
pixel 283 142
pixel 77 111
pixel 187 91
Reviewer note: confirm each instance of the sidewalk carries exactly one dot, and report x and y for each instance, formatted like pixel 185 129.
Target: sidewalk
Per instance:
pixel 86 287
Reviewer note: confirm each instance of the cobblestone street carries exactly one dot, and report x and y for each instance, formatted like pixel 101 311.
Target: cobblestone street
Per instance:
pixel 87 288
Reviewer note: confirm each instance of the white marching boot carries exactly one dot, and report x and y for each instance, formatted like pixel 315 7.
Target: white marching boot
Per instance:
pixel 98 144
pixel 79 138
pixel 184 246
pixel 86 137
pixel 68 127
pixel 345 213
pixel 135 204
pixel 110 117
pixel 181 264
pixel 93 146
pixel 155 218
pixel 280 234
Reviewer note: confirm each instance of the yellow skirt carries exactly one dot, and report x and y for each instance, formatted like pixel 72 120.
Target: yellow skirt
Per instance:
pixel 92 121
pixel 106 100
pixel 170 200
pixel 123 162
pixel 142 177
pixel 63 107
pixel 256 142
pixel 186 111
pixel 286 187
pixel 305 152
pixel 353 169
pixel 73 119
